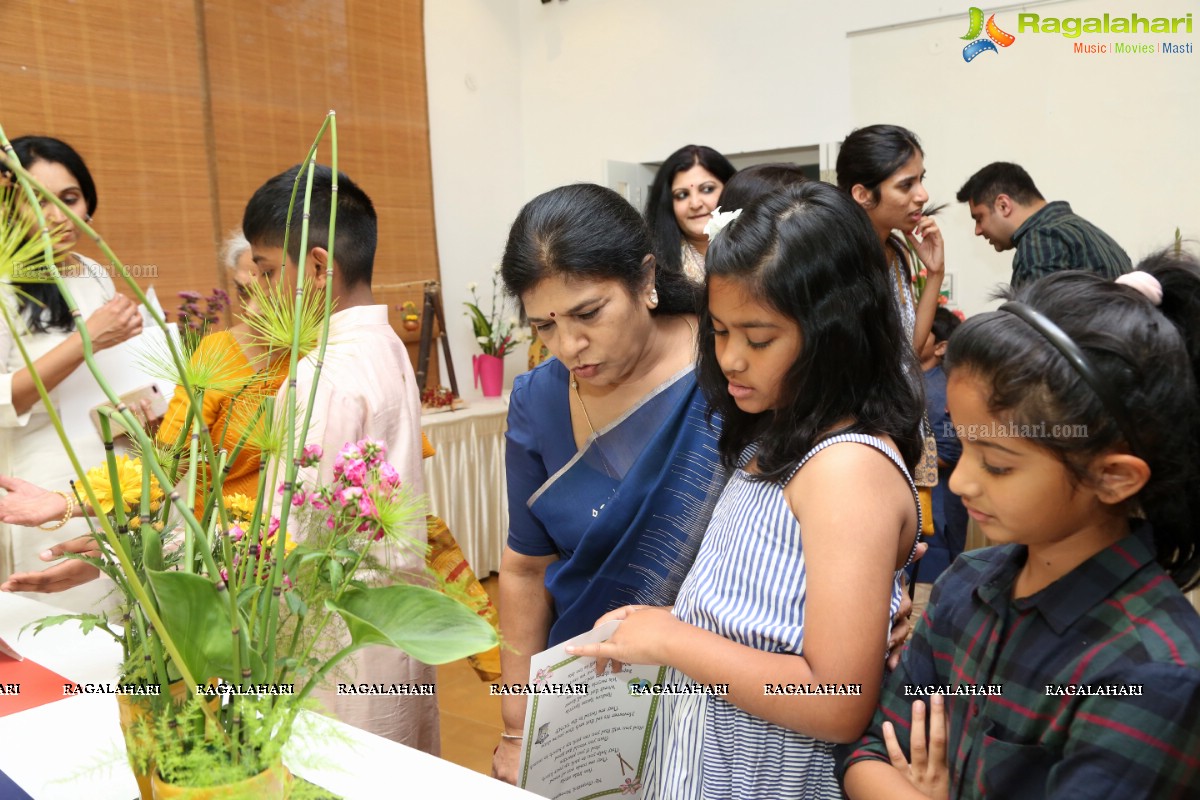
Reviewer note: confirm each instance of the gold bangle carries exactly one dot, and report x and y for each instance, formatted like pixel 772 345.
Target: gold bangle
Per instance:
pixel 66 515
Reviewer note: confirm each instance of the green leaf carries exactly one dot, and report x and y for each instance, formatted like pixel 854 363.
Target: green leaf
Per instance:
pixel 424 623
pixel 197 620
pixel 479 321
pixel 86 621
pixel 295 603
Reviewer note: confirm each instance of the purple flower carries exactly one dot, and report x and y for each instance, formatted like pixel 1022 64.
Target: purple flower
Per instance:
pixel 191 297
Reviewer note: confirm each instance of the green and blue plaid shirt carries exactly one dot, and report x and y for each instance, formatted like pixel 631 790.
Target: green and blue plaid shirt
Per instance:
pixel 1115 625
pixel 1054 239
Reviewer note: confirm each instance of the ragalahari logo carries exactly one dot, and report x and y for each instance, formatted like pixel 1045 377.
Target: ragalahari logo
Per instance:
pixel 995 36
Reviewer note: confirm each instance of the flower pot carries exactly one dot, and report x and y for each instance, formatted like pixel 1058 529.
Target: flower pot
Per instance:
pixel 130 710
pixel 273 782
pixel 489 371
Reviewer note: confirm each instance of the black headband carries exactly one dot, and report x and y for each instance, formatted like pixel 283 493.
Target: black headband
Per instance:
pixel 1075 356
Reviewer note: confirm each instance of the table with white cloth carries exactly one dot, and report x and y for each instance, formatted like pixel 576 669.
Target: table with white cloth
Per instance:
pixel 73 748
pixel 465 480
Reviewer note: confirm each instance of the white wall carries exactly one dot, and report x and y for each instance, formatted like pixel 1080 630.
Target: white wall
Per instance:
pixel 564 86
pixel 473 64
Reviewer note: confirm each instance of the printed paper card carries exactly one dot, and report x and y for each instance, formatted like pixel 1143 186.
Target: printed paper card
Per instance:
pixel 586 736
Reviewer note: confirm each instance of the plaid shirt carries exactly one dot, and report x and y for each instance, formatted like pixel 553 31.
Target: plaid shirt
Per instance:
pixel 1055 239
pixel 1115 621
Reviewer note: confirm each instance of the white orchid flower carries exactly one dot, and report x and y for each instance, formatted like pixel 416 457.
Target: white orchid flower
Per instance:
pixel 719 220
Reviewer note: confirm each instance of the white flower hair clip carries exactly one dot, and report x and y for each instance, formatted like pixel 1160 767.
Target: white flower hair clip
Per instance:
pixel 1145 283
pixel 719 220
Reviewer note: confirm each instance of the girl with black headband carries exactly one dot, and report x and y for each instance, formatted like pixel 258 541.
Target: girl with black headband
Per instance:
pixel 1065 662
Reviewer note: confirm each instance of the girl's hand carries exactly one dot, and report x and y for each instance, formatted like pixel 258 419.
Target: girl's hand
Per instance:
pixel 638 640
pixel 114 322
pixel 931 248
pixel 29 505
pixel 928 772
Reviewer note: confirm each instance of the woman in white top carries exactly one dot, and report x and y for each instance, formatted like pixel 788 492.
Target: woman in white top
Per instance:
pixel 29 446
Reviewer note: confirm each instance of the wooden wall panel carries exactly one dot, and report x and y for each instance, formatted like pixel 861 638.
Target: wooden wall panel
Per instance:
pixel 120 82
pixel 126 84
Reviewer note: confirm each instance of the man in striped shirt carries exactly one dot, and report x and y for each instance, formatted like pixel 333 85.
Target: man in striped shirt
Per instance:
pixel 1010 213
pixel 1088 688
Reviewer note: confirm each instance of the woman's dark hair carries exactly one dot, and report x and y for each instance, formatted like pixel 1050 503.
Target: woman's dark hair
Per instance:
pixel 1148 357
pixel 660 208
pixel 810 253
pixel 755 181
pixel 870 155
pixel 588 232
pixel 42 304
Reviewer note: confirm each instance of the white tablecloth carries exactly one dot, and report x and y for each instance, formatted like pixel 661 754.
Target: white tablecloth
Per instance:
pixel 465 480
pixel 73 748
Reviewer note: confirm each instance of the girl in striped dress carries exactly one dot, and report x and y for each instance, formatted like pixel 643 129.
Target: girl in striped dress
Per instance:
pixel 788 601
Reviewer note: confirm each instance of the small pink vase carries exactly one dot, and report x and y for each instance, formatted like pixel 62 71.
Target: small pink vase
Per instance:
pixel 489 371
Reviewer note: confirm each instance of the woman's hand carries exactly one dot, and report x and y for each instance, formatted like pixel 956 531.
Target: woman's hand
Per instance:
pixel 67 575
pixel 928 773
pixel 639 639
pixel 930 249
pixel 29 505
pixel 114 322
pixel 506 761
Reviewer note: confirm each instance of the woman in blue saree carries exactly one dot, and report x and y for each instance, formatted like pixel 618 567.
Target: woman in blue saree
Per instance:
pixel 611 461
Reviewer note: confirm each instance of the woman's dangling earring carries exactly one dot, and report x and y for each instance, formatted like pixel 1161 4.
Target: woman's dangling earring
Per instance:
pixel 654 298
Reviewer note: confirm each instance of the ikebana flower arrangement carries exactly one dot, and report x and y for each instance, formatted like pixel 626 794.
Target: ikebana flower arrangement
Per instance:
pixel 228 602
pixel 496 336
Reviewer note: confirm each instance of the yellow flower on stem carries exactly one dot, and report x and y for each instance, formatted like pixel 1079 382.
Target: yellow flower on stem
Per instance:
pixel 129 480
pixel 239 506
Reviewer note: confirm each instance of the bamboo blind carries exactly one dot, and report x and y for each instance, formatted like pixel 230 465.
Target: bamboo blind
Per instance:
pixel 182 108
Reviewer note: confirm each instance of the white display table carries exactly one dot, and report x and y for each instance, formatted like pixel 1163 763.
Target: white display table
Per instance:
pixel 465 480
pixel 73 748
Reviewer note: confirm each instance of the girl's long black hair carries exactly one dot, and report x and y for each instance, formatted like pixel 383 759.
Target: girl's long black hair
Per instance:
pixel 810 253
pixel 1149 357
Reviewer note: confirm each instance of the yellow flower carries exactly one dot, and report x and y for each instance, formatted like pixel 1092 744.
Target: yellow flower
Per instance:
pixel 239 506
pixel 288 544
pixel 129 480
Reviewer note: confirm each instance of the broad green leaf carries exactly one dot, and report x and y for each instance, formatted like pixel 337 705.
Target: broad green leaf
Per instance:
pixel 424 623
pixel 197 620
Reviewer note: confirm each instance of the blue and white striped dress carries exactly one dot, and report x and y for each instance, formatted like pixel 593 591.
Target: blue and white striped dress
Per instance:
pixel 748 585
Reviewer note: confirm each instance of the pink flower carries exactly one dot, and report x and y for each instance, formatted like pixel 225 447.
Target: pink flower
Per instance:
pixel 356 472
pixel 366 506
pixel 274 526
pixel 298 499
pixel 224 575
pixel 318 501
pixel 329 523
pixel 348 495
pixel 311 455
pixel 236 533
pixel 388 475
